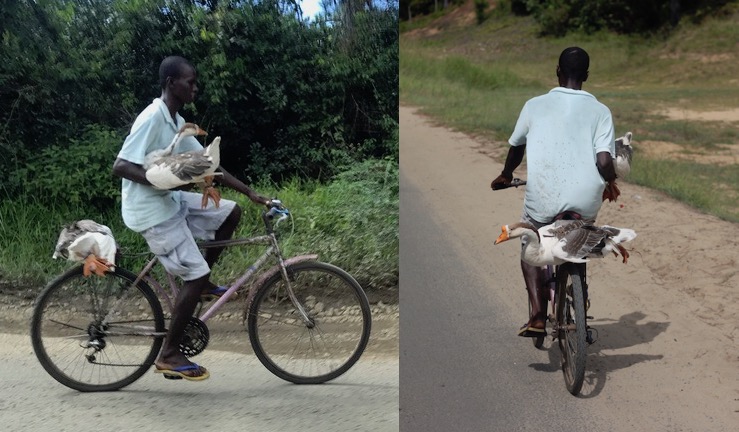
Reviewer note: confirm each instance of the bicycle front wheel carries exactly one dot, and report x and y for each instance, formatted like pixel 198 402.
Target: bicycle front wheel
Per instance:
pixel 572 328
pixel 97 333
pixel 329 342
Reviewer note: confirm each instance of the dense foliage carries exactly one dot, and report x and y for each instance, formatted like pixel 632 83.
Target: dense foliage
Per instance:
pixel 557 17
pixel 288 95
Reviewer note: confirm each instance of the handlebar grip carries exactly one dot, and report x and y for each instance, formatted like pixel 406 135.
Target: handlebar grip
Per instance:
pixel 516 182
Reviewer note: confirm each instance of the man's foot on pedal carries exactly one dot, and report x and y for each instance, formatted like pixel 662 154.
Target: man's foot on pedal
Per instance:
pixel 535 329
pixel 216 292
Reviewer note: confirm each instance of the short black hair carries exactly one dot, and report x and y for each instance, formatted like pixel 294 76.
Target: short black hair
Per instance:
pixel 172 67
pixel 574 63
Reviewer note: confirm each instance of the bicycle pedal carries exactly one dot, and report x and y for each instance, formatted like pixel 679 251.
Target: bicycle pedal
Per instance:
pixel 589 337
pixel 589 317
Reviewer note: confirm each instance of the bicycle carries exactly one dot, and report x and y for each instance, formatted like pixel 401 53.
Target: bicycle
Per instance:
pixel 308 321
pixel 568 297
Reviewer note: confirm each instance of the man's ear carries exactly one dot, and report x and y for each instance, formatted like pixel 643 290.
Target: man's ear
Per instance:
pixel 586 76
pixel 557 71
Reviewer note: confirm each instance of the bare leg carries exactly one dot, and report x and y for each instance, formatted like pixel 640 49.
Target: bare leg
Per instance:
pixel 225 232
pixel 534 278
pixel 185 303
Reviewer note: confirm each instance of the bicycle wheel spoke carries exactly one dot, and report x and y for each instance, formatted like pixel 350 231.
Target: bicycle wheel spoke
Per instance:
pixel 570 318
pixel 97 333
pixel 322 349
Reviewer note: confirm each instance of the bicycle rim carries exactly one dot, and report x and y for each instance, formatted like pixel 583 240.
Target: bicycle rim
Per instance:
pixel 97 333
pixel 325 348
pixel 572 330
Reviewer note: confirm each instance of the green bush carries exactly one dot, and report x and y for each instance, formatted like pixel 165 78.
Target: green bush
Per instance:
pixel 78 173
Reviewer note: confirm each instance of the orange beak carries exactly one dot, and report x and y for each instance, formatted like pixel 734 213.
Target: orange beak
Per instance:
pixel 201 132
pixel 503 235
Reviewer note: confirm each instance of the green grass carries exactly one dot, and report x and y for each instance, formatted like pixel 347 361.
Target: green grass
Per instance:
pixel 699 185
pixel 351 222
pixel 476 79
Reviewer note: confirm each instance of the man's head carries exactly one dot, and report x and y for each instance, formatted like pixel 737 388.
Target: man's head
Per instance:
pixel 573 66
pixel 178 78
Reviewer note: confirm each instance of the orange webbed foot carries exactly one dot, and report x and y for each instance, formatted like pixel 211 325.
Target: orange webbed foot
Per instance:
pixel 624 253
pixel 93 264
pixel 611 192
pixel 210 192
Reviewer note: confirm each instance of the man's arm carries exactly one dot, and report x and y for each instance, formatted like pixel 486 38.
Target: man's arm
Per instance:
pixel 232 182
pixel 131 171
pixel 513 160
pixel 607 170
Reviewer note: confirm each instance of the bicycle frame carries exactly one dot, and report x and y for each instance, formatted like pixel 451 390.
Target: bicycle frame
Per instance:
pixel 270 240
pixel 550 277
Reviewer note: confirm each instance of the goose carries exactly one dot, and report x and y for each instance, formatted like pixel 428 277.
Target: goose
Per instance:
pixel 88 241
pixel 567 241
pixel 621 164
pixel 624 151
pixel 166 169
pixel 187 130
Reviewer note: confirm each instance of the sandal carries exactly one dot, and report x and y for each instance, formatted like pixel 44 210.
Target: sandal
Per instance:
pixel 528 331
pixel 217 292
pixel 181 372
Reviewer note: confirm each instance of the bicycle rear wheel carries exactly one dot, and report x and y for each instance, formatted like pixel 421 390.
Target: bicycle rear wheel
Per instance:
pixel 325 347
pixel 97 333
pixel 572 328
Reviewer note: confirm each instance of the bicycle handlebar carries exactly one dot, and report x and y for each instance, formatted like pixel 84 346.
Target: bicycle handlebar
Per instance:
pixel 516 182
pixel 276 209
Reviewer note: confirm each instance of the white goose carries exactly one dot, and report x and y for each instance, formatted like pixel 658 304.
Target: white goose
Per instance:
pixel 166 169
pixel 88 241
pixel 567 241
pixel 624 151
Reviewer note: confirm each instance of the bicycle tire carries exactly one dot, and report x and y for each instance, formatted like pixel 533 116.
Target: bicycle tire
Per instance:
pixel 572 328
pixel 77 349
pixel 299 353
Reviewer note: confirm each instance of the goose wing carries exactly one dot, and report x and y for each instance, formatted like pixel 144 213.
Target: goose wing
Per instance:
pixel 180 169
pixel 576 239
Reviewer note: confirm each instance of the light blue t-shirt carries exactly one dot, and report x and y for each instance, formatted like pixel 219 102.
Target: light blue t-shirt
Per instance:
pixel 563 131
pixel 143 206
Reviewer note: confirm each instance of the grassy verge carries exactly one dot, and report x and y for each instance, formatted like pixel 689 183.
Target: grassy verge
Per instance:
pixel 351 222
pixel 477 78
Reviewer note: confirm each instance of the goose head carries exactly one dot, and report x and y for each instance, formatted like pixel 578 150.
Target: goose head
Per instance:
pixel 518 230
pixel 191 129
pixel 187 130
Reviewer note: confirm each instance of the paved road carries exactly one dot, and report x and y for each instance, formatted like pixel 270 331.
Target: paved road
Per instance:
pixel 241 395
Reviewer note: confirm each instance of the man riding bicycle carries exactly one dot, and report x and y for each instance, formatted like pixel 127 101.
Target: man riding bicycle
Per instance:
pixel 568 139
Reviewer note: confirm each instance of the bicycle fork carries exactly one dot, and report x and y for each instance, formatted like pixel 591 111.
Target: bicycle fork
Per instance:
pixel 551 283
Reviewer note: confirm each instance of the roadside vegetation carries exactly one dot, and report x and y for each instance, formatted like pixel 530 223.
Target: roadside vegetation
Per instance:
pixel 350 221
pixel 307 110
pixel 476 78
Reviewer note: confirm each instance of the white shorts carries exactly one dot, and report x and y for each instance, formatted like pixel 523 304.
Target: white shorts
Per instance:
pixel 173 241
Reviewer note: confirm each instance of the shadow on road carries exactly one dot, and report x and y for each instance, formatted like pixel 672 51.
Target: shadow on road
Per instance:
pixel 625 332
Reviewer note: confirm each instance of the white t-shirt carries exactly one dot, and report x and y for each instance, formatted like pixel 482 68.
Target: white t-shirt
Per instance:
pixel 143 206
pixel 563 130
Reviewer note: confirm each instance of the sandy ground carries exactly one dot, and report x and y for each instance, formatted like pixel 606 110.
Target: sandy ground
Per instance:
pixel 678 293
